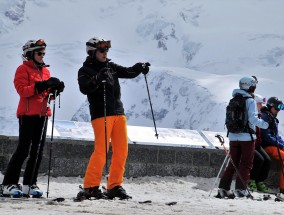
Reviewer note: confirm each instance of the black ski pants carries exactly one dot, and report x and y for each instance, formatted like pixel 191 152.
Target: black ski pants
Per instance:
pixel 32 133
pixel 261 165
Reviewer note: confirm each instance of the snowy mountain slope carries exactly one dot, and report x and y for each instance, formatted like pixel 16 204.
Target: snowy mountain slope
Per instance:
pixel 198 51
pixel 197 112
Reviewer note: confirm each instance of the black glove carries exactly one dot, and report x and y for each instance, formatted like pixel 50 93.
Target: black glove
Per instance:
pixel 53 82
pixel 141 67
pixel 59 88
pixel 104 75
pixel 41 86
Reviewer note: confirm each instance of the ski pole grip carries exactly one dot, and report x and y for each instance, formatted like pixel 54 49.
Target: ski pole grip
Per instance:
pixel 221 139
pixel 146 64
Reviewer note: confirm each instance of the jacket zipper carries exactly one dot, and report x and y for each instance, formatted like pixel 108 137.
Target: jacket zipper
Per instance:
pixel 42 98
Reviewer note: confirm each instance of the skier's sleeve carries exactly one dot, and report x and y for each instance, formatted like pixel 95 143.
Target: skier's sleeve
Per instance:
pixel 22 83
pixel 253 115
pixel 87 82
pixel 280 142
pixel 125 72
pixel 268 135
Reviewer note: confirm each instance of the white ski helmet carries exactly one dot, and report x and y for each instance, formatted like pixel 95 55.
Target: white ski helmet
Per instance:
pixel 246 82
pixel 32 45
pixel 97 43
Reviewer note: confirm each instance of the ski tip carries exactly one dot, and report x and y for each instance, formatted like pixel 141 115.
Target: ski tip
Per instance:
pixel 145 202
pixel 60 199
pixel 171 203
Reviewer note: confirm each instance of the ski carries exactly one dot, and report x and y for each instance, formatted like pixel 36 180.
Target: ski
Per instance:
pixel 11 199
pixel 82 197
pixel 264 197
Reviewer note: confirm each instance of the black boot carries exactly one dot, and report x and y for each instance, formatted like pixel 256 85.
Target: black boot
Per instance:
pixel 119 192
pixel 225 194
pixel 90 192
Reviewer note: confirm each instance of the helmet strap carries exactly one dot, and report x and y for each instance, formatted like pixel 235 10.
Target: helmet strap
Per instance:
pixel 93 54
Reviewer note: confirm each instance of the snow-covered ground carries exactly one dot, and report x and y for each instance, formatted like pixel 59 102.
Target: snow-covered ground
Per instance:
pixel 190 193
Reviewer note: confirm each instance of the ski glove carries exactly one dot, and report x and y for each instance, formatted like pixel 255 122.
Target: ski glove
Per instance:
pixel 141 67
pixel 104 75
pixel 59 88
pixel 41 86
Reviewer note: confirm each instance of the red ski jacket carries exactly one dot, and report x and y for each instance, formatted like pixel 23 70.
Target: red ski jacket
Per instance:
pixel 31 103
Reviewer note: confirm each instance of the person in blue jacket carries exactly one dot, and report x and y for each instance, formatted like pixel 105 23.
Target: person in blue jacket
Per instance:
pixel 272 142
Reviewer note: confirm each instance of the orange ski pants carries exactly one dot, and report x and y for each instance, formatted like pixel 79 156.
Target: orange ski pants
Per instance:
pixel 272 151
pixel 117 132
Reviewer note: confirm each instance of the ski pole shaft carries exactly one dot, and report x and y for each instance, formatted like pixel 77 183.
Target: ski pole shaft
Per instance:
pixel 222 141
pixel 43 131
pixel 51 145
pixel 157 135
pixel 218 175
pixel 105 122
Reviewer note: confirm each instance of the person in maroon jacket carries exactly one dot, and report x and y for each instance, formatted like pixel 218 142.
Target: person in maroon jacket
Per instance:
pixel 261 161
pixel 34 85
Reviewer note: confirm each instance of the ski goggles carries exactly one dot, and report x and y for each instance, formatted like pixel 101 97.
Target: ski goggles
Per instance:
pixel 279 107
pixel 100 45
pixel 32 45
pixel 39 42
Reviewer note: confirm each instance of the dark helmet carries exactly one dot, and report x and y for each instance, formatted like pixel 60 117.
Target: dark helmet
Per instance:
pixel 274 102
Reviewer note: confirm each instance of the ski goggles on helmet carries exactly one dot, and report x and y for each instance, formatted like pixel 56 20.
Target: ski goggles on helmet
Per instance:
pixel 100 45
pixel 279 107
pixel 32 45
pixel 39 42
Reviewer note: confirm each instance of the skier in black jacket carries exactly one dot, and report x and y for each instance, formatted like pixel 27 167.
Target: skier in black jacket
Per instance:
pixel 98 79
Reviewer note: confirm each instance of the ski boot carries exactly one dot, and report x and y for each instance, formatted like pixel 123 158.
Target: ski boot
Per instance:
pixel 225 194
pixel 262 187
pixel 252 185
pixel 119 192
pixel 12 190
pixel 32 190
pixel 87 193
pixel 242 193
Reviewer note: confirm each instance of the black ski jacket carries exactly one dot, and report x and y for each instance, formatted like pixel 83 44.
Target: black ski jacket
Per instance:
pixel 88 84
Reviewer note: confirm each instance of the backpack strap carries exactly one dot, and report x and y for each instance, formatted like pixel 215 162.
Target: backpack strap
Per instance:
pixel 249 129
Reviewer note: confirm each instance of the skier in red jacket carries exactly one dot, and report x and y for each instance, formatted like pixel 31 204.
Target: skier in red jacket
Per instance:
pixel 34 85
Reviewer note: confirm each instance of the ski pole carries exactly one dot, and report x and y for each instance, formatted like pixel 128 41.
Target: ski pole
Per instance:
pixel 51 145
pixel 105 122
pixel 144 65
pixel 224 162
pixel 222 141
pixel 43 131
